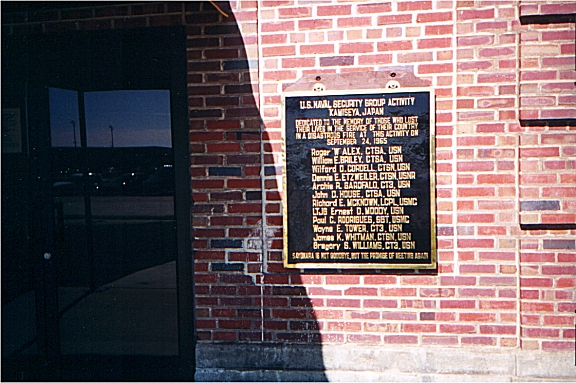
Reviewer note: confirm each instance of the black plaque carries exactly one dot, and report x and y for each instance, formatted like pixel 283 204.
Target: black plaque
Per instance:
pixel 359 188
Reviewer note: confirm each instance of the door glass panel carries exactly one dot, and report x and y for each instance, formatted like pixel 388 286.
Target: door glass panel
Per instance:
pixel 114 202
pixel 18 287
pixel 68 186
pixel 128 118
pixel 64 128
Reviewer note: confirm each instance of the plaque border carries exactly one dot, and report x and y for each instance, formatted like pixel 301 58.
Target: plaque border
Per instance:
pixel 433 232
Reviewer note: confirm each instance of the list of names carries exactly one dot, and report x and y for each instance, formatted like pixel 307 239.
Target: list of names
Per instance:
pixel 362 176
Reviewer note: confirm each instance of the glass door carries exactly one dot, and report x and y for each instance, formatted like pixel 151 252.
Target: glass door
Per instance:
pixel 108 287
pixel 115 231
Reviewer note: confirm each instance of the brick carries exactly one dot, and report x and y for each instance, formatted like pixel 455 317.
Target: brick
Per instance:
pixel 434 68
pixel 491 26
pixel 316 48
pixel 385 46
pixel 374 8
pixel 225 243
pixel 558 320
pixel 557 345
pixel 498 330
pixel 476 218
pixel 400 339
pixel 402 291
pixel 538 75
pixel 562 8
pixel 457 304
pixel 314 24
pixel 490 103
pixel 348 22
pixel 282 26
pixel 475 14
pixel 434 43
pixel 361 291
pixel 537 101
pixel 536 307
pixel 418 280
pixel 474 91
pixel 294 12
pixel 559 270
pixel 427 316
pixel 477 317
pixel 475 243
pixel 558 138
pixel 558 113
pixel 440 340
pixel 481 40
pixel 476 141
pixel 377 59
pixel 380 303
pixel 457 281
pixel 336 61
pixel 343 303
pixel 437 292
pixel 411 57
pixel 457 328
pixel 417 327
pixel 476 116
pixel 298 62
pixel 342 280
pixel 539 152
pixel 363 338
pixel 557 61
pixel 334 10
pixel 244 208
pixel 357 47
pixel 496 179
pixel 289 314
pixel 496 77
pixel 492 127
pixel 566 307
pixel 498 281
pixel 566 257
pixel 378 280
pixel 540 332
pixel 394 19
pixel 492 230
pixel 414 5
pixel 431 17
pixel 498 305
pixel 559 244
pixel 279 50
pixel 435 30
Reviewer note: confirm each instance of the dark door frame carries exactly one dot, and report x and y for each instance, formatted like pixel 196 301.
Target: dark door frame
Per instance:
pixel 42 220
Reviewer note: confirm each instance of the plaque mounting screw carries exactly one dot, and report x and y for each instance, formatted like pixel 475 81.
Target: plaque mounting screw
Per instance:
pixel 392 84
pixel 47 256
pixel 318 87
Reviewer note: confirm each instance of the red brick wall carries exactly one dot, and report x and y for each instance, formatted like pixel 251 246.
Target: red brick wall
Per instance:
pixel 471 53
pixel 497 285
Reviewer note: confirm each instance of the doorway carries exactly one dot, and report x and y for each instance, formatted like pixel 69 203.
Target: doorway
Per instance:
pixel 97 279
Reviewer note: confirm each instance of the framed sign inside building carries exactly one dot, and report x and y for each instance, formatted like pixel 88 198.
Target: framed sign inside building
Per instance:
pixel 359 185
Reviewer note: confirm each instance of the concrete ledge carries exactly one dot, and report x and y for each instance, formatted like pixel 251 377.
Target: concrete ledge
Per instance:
pixel 359 363
pixel 538 364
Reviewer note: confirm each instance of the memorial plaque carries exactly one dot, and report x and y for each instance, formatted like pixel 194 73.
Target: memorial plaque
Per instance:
pixel 359 188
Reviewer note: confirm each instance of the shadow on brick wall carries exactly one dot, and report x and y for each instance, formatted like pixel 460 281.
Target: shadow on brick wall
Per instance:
pixel 252 325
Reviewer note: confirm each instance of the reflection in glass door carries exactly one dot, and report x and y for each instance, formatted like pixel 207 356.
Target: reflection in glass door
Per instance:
pixel 91 218
pixel 113 186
